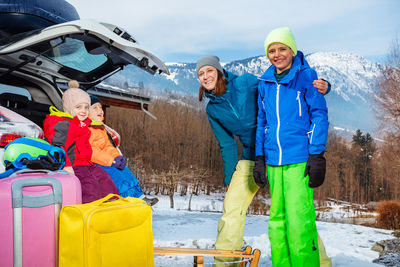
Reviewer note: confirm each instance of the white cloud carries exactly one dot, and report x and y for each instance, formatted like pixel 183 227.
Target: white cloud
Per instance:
pixel 198 27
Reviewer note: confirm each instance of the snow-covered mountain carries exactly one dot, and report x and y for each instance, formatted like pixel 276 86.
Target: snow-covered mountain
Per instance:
pixel 353 80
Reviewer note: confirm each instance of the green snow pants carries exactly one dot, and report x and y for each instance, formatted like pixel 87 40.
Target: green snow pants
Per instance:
pixel 237 199
pixel 291 227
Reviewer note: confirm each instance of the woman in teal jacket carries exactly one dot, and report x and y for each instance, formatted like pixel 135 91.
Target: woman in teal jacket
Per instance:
pixel 234 113
pixel 292 129
pixel 232 110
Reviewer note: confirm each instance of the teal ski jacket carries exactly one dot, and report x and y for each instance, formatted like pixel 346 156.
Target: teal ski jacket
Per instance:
pixel 234 114
pixel 292 118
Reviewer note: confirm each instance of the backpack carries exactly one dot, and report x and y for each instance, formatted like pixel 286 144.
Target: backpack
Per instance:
pixel 32 153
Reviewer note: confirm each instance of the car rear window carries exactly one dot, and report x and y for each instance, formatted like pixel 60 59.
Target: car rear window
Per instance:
pixel 72 53
pixel 5 88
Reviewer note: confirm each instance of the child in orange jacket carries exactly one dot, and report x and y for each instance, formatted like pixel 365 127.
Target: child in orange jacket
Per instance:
pixel 108 157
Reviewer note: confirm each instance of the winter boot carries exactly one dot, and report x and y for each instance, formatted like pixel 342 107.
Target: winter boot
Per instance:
pixel 151 201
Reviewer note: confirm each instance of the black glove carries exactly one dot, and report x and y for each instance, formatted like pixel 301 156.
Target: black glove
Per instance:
pixel 43 163
pixel 259 171
pixel 316 169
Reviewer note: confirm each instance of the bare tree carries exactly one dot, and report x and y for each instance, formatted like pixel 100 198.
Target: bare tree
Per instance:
pixel 388 111
pixel 388 94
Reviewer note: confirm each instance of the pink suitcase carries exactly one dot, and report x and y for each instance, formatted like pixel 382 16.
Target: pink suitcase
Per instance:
pixel 30 203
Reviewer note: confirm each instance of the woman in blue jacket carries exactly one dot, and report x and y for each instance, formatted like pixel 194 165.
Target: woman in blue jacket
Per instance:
pixel 232 111
pixel 292 129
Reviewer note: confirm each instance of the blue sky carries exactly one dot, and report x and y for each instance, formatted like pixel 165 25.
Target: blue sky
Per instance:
pixel 184 30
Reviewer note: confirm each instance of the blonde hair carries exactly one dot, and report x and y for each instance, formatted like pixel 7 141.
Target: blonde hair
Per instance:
pixel 73 84
pixel 220 87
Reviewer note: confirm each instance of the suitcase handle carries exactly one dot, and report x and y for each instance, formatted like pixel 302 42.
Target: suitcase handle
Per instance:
pixel 33 201
pixel 20 200
pixel 105 199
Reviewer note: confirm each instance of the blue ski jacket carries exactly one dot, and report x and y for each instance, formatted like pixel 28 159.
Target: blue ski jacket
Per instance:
pixel 292 120
pixel 234 113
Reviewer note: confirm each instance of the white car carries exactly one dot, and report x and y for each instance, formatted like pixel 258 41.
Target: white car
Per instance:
pixel 34 66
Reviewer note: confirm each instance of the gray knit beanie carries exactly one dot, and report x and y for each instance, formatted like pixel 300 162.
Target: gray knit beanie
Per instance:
pixel 209 60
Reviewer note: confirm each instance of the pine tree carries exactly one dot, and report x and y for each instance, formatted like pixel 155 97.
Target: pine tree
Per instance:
pixel 365 148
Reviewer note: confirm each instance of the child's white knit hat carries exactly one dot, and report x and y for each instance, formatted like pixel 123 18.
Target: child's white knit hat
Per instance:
pixel 73 97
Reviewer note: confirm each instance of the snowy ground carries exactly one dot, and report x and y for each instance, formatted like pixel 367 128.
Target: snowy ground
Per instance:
pixel 346 244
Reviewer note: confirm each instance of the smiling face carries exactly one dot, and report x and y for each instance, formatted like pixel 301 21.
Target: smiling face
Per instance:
pixel 281 56
pixel 81 111
pixel 208 77
pixel 96 112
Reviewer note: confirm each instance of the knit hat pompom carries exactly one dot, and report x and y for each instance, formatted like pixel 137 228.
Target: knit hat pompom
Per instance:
pixel 73 97
pixel 73 84
pixel 209 60
pixel 281 35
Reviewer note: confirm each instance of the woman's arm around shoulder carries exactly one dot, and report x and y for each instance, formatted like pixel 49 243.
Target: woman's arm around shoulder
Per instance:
pixel 248 82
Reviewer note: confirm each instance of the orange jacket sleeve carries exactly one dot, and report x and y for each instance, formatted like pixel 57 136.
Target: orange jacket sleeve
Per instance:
pixel 104 152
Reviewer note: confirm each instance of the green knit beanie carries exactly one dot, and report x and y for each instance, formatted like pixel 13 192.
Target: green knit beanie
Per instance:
pixel 281 35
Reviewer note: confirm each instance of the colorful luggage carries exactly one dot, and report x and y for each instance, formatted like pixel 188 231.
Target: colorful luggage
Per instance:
pixel 107 233
pixel 30 202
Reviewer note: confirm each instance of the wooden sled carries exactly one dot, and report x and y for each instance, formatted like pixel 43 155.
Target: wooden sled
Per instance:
pixel 249 258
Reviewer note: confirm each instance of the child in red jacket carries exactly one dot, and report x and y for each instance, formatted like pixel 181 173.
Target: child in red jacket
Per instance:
pixel 69 130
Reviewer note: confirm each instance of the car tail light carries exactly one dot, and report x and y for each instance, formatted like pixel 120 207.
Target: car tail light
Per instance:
pixel 13 126
pixel 6 138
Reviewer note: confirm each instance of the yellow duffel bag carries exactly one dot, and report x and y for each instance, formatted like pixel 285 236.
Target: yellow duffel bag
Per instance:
pixel 106 232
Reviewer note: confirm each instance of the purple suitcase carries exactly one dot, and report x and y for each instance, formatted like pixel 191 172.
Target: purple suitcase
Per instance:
pixel 30 203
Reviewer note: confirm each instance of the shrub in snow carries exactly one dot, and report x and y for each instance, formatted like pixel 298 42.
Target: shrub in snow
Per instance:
pixel 396 234
pixel 388 214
